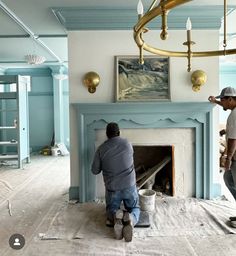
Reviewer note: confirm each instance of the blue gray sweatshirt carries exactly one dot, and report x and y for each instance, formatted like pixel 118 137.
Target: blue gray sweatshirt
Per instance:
pixel 115 159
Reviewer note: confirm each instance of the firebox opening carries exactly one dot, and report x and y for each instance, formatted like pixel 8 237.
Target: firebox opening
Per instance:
pixel 149 168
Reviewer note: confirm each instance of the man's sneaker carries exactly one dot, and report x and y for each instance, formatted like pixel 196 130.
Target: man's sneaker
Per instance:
pixel 119 214
pixel 118 227
pixel 128 227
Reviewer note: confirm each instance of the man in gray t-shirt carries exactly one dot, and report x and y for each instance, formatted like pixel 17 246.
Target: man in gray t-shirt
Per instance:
pixel 228 101
pixel 114 158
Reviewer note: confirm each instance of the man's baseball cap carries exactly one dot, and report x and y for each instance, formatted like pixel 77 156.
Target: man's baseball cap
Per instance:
pixel 227 92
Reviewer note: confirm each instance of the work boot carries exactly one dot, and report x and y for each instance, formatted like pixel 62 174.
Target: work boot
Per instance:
pixel 233 221
pixel 128 227
pixel 118 224
pixel 232 218
pixel 109 223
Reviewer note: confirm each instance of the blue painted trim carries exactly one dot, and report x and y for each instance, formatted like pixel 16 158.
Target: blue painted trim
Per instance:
pixel 2 71
pixel 59 69
pixel 58 111
pixel 29 71
pixel 105 18
pixel 40 94
pixel 74 193
pixel 216 190
pixel 146 115
pixel 228 68
pixel 48 71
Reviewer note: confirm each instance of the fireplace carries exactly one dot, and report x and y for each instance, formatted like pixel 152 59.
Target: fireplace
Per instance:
pixel 184 127
pixel 157 143
pixel 148 157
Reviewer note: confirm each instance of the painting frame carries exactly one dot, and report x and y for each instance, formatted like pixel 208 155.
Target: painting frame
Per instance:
pixel 147 82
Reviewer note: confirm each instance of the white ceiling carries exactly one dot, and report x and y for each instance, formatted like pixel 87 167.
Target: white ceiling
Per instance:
pixel 38 17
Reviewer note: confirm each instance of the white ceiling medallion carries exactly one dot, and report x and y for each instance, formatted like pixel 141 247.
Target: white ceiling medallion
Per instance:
pixel 34 59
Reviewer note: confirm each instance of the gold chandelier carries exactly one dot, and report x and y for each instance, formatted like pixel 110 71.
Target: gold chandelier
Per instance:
pixel 162 10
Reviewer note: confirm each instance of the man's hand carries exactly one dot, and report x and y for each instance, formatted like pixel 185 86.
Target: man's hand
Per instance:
pixel 228 163
pixel 222 132
pixel 212 99
pixel 222 161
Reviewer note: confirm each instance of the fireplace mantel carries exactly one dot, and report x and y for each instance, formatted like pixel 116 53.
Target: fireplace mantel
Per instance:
pixel 196 115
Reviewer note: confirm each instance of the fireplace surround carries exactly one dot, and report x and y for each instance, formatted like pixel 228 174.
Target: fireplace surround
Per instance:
pixel 193 116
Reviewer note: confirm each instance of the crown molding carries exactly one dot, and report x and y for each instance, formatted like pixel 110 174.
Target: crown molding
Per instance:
pixel 202 17
pixel 29 71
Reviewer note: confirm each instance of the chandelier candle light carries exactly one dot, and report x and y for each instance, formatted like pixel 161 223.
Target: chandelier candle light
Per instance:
pixel 189 42
pixel 162 10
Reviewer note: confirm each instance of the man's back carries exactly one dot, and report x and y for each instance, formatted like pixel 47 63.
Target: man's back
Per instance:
pixel 115 158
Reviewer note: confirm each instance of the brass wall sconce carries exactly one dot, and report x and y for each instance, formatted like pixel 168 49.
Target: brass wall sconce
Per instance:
pixel 198 78
pixel 91 80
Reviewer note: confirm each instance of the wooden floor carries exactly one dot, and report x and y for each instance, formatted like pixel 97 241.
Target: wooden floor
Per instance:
pixel 39 192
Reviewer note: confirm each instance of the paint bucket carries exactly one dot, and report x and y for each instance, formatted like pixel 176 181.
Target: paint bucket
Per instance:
pixel 55 151
pixel 147 199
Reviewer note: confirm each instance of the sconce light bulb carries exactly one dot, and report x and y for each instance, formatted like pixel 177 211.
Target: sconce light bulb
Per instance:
pixel 188 24
pixel 140 8
pixel 92 89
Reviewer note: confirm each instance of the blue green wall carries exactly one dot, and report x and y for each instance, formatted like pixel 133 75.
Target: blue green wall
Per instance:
pixel 41 112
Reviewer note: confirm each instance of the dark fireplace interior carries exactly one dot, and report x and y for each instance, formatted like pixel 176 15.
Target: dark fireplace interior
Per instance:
pixel 146 160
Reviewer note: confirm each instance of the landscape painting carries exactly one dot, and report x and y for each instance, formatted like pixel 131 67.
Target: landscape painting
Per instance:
pixel 147 82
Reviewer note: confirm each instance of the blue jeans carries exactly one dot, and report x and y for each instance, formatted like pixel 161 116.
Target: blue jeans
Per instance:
pixel 230 179
pixel 130 198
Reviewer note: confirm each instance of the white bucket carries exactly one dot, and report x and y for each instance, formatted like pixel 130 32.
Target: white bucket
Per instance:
pixel 147 199
pixel 55 151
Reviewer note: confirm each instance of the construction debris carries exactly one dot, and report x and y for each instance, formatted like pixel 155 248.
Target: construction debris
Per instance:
pixel 9 207
pixel 151 172
pixel 43 236
pixel 6 184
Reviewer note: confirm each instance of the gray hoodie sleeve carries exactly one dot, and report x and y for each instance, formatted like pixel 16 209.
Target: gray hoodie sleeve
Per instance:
pixel 96 165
